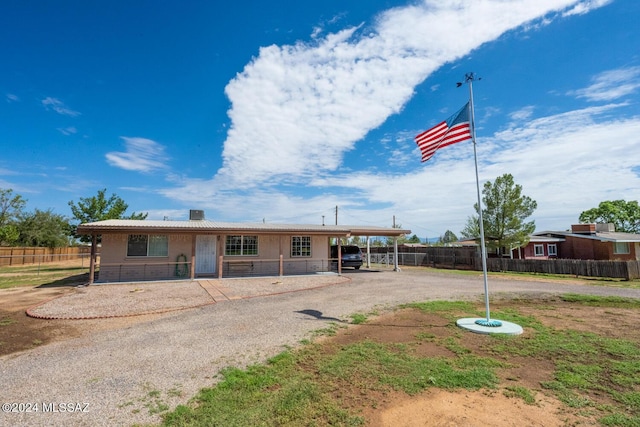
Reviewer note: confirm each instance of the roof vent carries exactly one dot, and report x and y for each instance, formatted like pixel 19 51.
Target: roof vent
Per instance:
pixel 196 215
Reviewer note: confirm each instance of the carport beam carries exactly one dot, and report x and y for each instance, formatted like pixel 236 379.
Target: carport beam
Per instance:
pixel 395 254
pixel 92 261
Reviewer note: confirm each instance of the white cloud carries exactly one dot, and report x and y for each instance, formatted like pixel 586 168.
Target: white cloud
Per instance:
pixel 141 155
pixel 297 109
pixel 68 130
pixel 59 107
pixel 586 6
pixel 611 85
pixel 12 98
pixel 522 114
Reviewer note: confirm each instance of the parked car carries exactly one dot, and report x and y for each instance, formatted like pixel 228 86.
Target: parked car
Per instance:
pixel 351 256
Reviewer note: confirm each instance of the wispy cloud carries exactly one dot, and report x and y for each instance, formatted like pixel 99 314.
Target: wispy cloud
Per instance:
pixel 68 130
pixel 611 85
pixel 141 155
pixel 12 98
pixel 59 107
pixel 522 114
pixel 587 6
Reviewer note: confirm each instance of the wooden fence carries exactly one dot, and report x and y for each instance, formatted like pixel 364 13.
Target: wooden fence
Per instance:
pixel 627 270
pixel 27 255
pixel 467 259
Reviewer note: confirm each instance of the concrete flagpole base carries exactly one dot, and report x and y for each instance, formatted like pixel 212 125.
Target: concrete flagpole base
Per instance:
pixel 481 326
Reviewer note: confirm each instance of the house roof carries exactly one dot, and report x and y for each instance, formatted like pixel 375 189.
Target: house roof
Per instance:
pixel 545 239
pixel 206 226
pixel 603 236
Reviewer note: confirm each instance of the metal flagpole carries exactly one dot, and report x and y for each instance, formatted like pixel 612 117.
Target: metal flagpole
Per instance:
pixel 469 78
pixel 487 325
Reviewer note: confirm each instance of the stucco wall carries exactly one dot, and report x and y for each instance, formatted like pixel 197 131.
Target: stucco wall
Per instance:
pixel 116 266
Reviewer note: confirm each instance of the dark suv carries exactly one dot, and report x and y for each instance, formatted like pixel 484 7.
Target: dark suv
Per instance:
pixel 351 256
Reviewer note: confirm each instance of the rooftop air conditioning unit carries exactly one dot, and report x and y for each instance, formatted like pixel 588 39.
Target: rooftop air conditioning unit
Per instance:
pixel 196 215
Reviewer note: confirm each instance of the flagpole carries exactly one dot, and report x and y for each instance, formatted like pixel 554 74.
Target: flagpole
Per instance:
pixel 469 78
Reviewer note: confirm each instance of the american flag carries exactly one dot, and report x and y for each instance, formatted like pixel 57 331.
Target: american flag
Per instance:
pixel 455 129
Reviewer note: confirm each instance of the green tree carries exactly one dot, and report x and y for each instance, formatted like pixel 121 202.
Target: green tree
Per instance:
pixel 504 215
pixel 44 228
pixel 401 239
pixel 11 207
pixel 624 215
pixel 448 237
pixel 358 241
pixel 99 208
pixel 414 239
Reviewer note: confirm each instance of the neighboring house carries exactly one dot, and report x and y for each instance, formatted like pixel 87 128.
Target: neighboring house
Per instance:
pixel 539 247
pixel 133 250
pixel 584 241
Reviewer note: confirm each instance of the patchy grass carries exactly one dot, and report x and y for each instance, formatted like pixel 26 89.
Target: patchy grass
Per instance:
pixel 5 321
pixel 66 273
pixel 328 382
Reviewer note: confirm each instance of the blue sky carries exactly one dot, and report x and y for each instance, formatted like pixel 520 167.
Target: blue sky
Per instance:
pixel 280 111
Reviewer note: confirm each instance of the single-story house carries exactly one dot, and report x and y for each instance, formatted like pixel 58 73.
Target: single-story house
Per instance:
pixel 539 247
pixel 584 241
pixel 134 250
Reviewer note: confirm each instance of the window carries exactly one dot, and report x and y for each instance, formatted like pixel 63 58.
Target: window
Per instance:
pixel 241 245
pixel 152 245
pixel 538 250
pixel 552 249
pixel 300 246
pixel 621 248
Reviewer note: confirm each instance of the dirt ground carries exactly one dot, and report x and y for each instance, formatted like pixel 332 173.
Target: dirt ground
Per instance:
pixel 434 407
pixel 19 332
pixel 437 407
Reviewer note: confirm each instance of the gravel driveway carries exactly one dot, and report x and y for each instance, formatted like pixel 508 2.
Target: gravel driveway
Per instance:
pixel 123 376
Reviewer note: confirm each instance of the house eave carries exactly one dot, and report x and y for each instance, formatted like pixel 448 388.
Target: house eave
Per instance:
pixel 211 227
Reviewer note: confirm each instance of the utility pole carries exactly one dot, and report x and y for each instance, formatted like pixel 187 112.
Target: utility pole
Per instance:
pixel 336 214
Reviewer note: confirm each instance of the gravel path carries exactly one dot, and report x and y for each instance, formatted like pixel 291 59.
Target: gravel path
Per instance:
pixel 123 376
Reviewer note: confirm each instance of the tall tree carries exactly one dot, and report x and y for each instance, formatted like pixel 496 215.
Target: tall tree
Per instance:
pixel 448 237
pixel 99 208
pixel 624 215
pixel 11 207
pixel 44 228
pixel 413 239
pixel 504 215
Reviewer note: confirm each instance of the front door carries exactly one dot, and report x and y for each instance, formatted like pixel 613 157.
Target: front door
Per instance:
pixel 206 254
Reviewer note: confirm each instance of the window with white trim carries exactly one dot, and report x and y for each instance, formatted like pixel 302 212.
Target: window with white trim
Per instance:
pixel 241 245
pixel 538 250
pixel 621 248
pixel 552 249
pixel 300 246
pixel 147 245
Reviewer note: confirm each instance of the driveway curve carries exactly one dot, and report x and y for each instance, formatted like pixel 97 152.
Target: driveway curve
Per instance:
pixel 126 376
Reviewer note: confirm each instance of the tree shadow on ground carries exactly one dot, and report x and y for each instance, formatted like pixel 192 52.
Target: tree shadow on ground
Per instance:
pixel 69 281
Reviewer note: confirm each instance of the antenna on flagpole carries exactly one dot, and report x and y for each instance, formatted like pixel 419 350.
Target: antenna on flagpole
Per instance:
pixel 486 325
